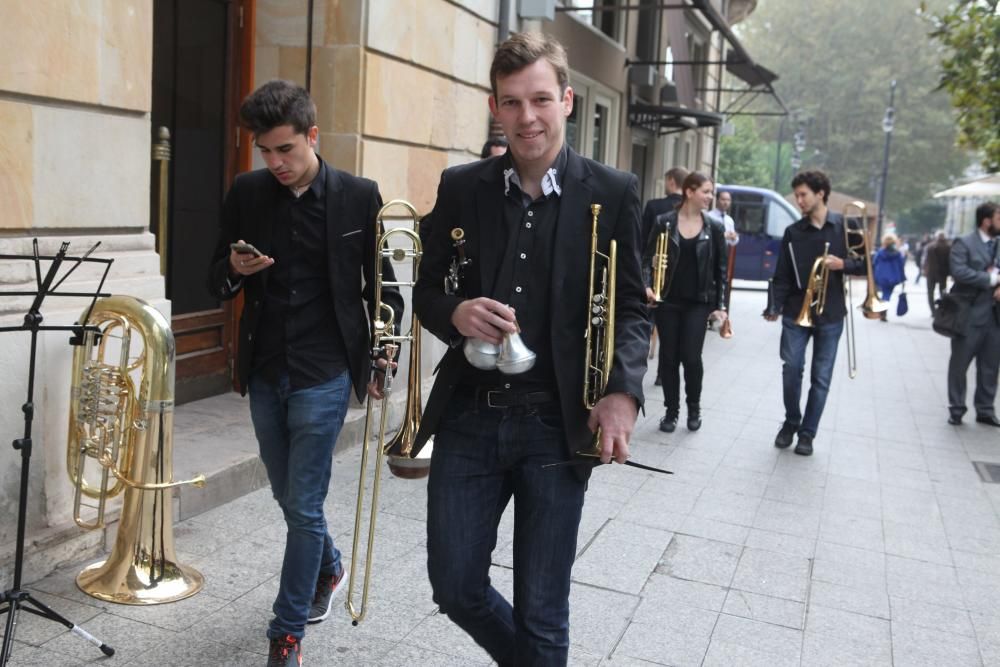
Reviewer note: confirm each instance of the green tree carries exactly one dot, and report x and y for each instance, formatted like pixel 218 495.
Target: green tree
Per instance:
pixel 743 157
pixel 835 61
pixel 970 34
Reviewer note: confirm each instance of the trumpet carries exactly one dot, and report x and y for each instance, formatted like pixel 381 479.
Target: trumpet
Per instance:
pixel 600 337
pixel 385 343
pixel 816 284
pixel 660 263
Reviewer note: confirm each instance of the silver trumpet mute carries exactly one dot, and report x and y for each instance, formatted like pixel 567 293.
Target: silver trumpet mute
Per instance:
pixel 481 354
pixel 515 357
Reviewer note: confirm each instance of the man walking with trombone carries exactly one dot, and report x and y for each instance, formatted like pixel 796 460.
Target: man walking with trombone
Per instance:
pixel 295 238
pixel 810 307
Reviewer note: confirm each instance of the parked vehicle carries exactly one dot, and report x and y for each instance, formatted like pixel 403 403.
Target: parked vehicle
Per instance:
pixel 761 216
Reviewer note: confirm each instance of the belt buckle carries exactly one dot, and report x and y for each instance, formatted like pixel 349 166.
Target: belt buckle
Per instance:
pixel 489 399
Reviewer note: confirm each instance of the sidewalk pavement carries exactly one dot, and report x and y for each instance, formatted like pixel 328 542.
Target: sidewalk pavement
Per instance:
pixel 883 548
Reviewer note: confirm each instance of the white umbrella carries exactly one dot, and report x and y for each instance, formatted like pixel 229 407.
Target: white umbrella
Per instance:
pixel 987 186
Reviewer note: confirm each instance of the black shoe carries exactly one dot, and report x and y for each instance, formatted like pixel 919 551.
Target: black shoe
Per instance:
pixel 694 418
pixel 785 435
pixel 987 419
pixel 955 420
pixel 326 587
pixel 669 422
pixel 284 652
pixel 805 445
pixel 658 382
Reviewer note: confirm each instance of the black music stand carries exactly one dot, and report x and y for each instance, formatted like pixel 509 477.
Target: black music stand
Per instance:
pixel 15 598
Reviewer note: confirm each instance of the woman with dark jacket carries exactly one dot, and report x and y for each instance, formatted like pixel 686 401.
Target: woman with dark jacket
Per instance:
pixel 889 268
pixel 693 292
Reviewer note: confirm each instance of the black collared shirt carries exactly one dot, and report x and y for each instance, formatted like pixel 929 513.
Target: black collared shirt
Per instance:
pixel 524 274
pixel 801 245
pixel 298 330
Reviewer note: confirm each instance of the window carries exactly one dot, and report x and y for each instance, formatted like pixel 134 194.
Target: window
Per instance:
pixel 607 22
pixel 592 127
pixel 778 217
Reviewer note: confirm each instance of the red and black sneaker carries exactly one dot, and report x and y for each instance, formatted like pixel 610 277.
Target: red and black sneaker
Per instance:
pixel 326 587
pixel 285 652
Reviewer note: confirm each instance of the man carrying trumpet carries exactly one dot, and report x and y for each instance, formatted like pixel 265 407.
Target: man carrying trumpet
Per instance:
pixel 526 221
pixel 814 246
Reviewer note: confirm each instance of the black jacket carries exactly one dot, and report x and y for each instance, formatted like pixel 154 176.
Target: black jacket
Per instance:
pixel 352 204
pixel 471 197
pixel 710 250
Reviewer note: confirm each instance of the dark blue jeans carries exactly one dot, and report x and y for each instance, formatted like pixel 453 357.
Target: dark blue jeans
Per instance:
pixel 826 339
pixel 296 432
pixel 482 457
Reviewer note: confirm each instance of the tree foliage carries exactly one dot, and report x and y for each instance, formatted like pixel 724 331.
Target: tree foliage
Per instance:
pixel 835 61
pixel 969 33
pixel 743 158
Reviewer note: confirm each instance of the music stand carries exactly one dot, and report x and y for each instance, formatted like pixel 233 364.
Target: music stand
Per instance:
pixel 16 598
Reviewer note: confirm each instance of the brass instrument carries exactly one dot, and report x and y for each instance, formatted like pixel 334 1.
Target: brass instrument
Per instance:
pixel 660 263
pixel 385 344
pixel 726 330
pixel 816 284
pixel 453 280
pixel 600 336
pixel 125 424
pixel 873 307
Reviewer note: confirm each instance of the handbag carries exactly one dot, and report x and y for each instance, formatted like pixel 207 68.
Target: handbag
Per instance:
pixel 950 316
pixel 902 306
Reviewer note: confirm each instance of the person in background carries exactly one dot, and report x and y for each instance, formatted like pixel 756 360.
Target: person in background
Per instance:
pixel 889 267
pixel 936 267
pixel 724 202
pixel 494 146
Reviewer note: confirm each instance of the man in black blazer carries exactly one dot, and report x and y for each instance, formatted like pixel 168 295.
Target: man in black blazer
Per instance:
pixel 527 220
pixel 304 234
pixel 974 259
pixel 672 181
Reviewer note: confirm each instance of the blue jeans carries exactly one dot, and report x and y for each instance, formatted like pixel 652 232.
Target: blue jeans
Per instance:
pixel 482 457
pixel 296 432
pixel 826 339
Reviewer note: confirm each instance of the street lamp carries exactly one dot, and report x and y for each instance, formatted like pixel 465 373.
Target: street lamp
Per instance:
pixel 888 123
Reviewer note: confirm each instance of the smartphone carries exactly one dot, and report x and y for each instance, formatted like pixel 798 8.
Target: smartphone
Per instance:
pixel 244 248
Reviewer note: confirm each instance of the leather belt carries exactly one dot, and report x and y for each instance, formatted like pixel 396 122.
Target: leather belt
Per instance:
pixel 509 398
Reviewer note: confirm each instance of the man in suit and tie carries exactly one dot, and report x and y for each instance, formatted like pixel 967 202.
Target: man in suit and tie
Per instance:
pixel 304 334
pixel 527 220
pixel 974 269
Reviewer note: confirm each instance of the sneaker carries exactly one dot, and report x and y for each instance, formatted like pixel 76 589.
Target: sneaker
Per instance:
pixel 805 445
pixel 669 422
pixel 694 417
pixel 785 435
pixel 284 652
pixel 326 587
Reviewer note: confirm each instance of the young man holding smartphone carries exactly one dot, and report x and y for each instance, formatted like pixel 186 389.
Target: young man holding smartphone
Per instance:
pixel 295 237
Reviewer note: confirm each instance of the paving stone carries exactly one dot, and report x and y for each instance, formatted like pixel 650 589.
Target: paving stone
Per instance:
pixel 787 518
pixel 913 645
pixel 831 651
pixel 620 542
pixel 935 617
pixel 192 653
pixel 869 600
pixel 678 637
pixel 775 611
pixel 839 623
pixel 699 559
pixel 130 639
pixel 24 655
pixel 597 617
pixel 785 643
pixel 405 655
pixel 724 654
pixel 711 529
pixel 35 630
pixel 671 590
pixel 771 574
pixel 781 543
pixel 852 531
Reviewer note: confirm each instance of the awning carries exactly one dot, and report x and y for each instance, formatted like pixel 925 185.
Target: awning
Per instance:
pixel 987 186
pixel 668 119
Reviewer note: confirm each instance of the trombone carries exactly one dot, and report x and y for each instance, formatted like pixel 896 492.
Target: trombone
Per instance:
pixel 873 307
pixel 385 344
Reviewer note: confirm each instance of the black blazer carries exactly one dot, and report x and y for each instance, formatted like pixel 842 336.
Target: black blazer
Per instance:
pixel 352 204
pixel 471 197
pixel 710 250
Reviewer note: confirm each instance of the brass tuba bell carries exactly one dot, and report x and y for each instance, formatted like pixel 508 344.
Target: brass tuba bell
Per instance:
pixel 121 416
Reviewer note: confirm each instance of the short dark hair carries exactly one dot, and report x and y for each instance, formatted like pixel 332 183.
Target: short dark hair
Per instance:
pixel 692 181
pixel 815 180
pixel 677 175
pixel 278 103
pixel 490 143
pixel 985 211
pixel 526 48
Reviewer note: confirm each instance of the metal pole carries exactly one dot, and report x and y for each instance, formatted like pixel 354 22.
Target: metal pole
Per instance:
pixel 777 158
pixel 887 127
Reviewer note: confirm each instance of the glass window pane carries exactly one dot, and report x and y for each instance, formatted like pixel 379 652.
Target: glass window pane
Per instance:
pixel 573 129
pixel 601 114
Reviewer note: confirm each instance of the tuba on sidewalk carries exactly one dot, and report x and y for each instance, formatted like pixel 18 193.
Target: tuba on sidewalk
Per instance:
pixel 121 423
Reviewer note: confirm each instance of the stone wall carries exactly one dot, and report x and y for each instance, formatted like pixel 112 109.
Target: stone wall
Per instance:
pixel 74 165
